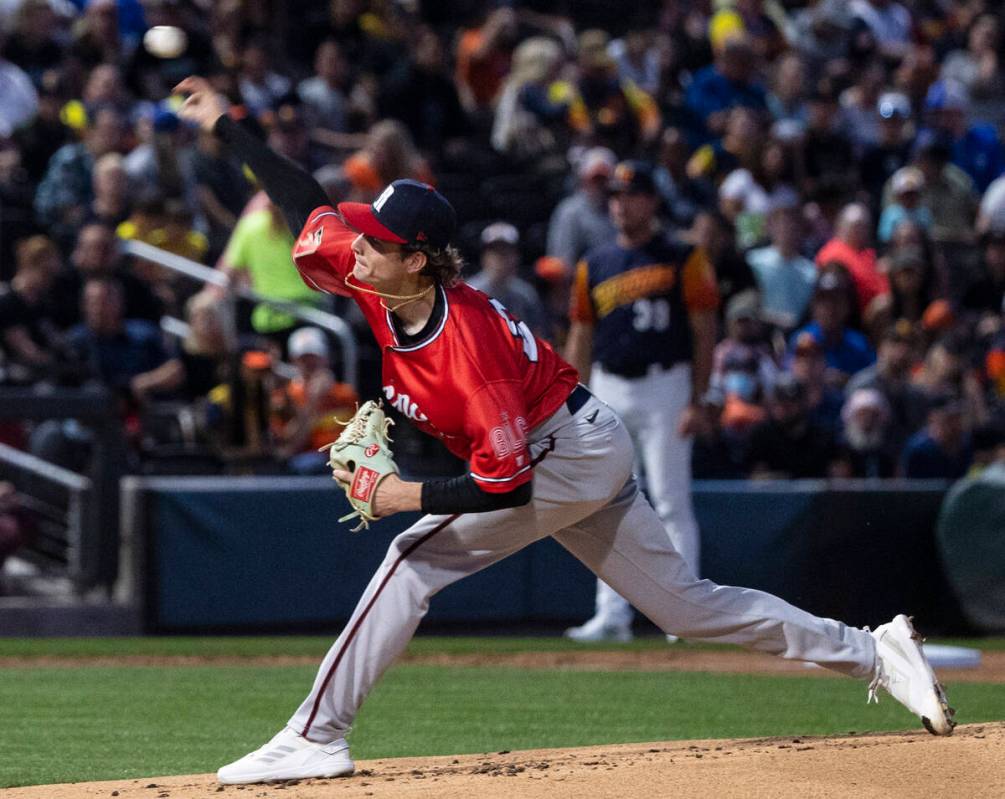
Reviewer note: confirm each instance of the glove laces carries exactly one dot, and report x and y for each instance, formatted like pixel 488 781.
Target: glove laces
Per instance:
pixel 878 680
pixel 355 428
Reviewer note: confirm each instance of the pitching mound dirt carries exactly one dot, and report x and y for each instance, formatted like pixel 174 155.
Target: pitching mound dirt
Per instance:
pixel 968 764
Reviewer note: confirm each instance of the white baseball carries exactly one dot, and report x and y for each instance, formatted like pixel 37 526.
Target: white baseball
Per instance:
pixel 165 41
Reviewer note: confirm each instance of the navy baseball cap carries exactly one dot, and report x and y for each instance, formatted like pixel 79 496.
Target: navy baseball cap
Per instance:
pixel 950 95
pixel 894 105
pixel 632 177
pixel 406 212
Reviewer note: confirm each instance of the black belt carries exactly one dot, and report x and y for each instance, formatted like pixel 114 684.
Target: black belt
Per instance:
pixel 577 399
pixel 636 370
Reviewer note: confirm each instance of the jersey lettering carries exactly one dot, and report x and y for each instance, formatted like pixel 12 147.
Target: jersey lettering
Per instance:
pixel 403 403
pixel 509 437
pixel 651 315
pixel 499 443
pixel 517 329
pixel 384 196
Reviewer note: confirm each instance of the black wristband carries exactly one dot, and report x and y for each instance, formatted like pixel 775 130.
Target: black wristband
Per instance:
pixel 462 495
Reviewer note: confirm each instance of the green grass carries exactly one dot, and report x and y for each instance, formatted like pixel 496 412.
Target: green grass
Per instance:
pixel 136 721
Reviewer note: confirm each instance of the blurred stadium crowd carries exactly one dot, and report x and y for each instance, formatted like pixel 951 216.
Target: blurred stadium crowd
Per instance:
pixel 841 163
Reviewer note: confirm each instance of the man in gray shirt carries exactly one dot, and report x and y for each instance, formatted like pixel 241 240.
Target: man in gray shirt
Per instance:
pixel 498 277
pixel 580 222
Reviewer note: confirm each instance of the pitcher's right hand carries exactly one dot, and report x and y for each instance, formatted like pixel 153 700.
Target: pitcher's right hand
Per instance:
pixel 203 106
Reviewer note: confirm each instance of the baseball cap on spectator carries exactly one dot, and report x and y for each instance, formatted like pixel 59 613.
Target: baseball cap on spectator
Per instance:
pixel 947 95
pixel 744 305
pixel 307 341
pixel 166 121
pixel 907 179
pixel 938 316
pixel 597 162
pixel 724 25
pixel 863 398
pixel 828 284
pixel 633 177
pixel 500 233
pixel 788 130
pixel 807 344
pixel 256 360
pixel 406 212
pixel 551 269
pixel 893 105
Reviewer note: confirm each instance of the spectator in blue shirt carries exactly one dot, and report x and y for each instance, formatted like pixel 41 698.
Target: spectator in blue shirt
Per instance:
pixel 846 351
pixel 66 190
pixel 942 449
pixel 727 83
pixel 906 187
pixel 785 277
pixel 127 355
pixel 976 149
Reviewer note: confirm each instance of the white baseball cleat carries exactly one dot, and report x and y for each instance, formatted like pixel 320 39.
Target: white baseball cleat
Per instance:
pixel 289 756
pixel 903 670
pixel 598 630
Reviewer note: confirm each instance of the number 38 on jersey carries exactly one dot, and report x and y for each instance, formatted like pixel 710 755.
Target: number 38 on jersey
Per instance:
pixel 651 314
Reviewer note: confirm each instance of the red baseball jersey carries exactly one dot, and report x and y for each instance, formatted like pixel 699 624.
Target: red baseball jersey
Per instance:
pixel 479 382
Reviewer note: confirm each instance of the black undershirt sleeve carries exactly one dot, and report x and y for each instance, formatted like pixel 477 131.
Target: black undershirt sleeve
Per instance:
pixel 462 495
pixel 293 189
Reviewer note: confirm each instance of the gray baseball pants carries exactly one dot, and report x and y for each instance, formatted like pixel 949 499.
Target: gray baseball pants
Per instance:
pixel 586 498
pixel 650 408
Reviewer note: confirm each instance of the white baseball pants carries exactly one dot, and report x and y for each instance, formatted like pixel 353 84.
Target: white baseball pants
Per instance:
pixel 585 497
pixel 650 408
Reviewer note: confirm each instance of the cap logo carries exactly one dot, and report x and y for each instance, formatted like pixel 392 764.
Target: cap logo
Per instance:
pixel 420 236
pixel 384 196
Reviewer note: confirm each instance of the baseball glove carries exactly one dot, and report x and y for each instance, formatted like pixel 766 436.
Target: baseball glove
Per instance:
pixel 362 449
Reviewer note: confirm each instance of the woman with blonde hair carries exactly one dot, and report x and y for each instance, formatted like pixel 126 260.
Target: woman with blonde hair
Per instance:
pixel 525 118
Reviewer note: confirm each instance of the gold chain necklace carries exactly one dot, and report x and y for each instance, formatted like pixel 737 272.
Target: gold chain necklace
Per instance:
pixel 408 298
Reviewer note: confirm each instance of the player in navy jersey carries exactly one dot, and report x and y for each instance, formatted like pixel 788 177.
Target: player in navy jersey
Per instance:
pixel 546 459
pixel 643 331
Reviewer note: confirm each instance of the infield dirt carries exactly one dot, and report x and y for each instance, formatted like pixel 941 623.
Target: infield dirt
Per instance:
pixel 970 764
pixel 967 764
